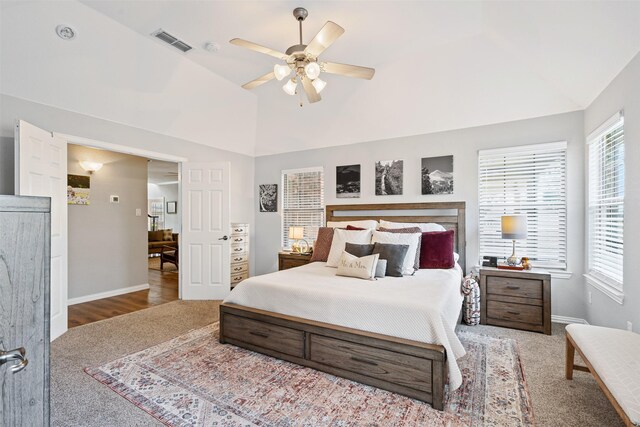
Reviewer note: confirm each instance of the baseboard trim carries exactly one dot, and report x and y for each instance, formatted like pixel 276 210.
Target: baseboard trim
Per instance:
pixel 107 294
pixel 568 320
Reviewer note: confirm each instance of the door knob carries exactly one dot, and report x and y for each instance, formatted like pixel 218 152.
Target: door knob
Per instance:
pixel 17 355
pixel 224 238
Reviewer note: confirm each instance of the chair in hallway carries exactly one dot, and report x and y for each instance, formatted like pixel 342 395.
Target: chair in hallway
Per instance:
pixel 169 254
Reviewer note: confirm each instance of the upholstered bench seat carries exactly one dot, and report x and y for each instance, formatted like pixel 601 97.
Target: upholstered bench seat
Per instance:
pixel 613 357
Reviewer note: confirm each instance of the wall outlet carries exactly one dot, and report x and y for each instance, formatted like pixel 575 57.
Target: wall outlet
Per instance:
pixel 114 199
pixel 629 326
pixel 589 296
pixel 138 212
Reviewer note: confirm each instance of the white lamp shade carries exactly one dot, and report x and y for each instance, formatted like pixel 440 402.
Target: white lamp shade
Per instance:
pixel 296 233
pixel 290 87
pixel 90 166
pixel 312 70
pixel 281 71
pixel 514 227
pixel 319 84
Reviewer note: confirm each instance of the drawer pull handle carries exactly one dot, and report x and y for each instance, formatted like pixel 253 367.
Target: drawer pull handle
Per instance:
pixel 238 259
pixel 259 334
pixel 515 313
pixel 513 287
pixel 368 362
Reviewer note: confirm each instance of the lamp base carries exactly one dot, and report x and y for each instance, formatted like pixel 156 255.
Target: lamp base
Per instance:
pixel 513 260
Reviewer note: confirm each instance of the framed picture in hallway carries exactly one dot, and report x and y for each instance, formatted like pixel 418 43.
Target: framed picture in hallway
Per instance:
pixel 172 207
pixel 78 189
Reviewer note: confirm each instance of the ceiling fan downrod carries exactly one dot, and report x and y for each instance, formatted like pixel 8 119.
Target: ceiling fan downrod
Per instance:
pixel 300 13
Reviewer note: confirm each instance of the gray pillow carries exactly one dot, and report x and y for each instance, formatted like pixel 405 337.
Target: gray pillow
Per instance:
pixel 381 268
pixel 358 249
pixel 394 254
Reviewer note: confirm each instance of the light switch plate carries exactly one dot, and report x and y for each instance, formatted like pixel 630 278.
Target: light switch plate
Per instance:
pixel 114 198
pixel 138 212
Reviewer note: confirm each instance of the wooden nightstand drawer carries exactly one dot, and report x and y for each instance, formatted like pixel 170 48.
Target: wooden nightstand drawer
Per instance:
pixel 522 313
pixel 288 260
pixel 513 286
pixel 516 299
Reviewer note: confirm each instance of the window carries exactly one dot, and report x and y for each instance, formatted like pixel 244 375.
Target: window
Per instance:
pixel 302 202
pixel 528 180
pixel 606 207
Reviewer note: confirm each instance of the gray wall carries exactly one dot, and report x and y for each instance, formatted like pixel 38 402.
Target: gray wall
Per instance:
pixel 107 241
pixel 623 93
pixel 464 145
pixel 62 121
pixel 170 194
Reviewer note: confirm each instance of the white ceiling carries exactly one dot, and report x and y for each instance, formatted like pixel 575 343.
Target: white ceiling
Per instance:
pixel 161 172
pixel 439 64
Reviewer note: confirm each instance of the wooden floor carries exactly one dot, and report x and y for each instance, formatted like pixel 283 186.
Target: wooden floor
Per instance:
pixel 163 288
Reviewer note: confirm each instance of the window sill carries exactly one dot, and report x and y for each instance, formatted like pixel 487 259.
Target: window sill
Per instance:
pixel 605 288
pixel 558 274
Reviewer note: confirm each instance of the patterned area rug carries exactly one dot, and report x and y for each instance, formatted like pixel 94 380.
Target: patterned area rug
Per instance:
pixel 193 380
pixel 154 264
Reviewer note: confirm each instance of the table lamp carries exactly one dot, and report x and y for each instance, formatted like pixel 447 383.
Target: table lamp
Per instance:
pixel 297 234
pixel 514 227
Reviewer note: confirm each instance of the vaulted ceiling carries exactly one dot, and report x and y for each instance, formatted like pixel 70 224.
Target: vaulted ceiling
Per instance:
pixel 439 65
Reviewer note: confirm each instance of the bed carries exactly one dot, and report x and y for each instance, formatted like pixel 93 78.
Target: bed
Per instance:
pixel 395 333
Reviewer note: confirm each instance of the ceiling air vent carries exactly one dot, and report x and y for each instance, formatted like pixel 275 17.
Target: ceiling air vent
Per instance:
pixel 168 38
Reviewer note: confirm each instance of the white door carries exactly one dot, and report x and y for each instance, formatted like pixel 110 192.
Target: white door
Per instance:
pixel 204 243
pixel 41 170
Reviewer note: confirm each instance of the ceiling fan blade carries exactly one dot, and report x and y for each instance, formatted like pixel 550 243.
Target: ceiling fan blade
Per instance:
pixel 260 80
pixel 312 94
pixel 259 48
pixel 325 38
pixel 348 70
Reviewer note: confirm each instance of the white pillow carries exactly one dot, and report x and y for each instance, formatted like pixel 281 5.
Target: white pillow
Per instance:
pixel 341 238
pixel 367 223
pixel 424 226
pixel 410 239
pixel 352 266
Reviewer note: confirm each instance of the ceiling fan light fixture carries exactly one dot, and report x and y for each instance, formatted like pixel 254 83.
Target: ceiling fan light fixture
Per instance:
pixel 312 70
pixel 281 71
pixel 290 87
pixel 319 84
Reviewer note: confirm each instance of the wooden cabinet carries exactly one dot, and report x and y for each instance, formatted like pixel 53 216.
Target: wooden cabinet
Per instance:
pixel 239 253
pixel 516 299
pixel 288 260
pixel 25 241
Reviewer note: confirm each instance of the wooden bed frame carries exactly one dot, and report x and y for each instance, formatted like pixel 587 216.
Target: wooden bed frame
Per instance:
pixel 407 367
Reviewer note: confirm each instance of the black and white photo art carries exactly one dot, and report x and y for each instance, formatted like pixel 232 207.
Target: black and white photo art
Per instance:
pixel 348 182
pixel 268 196
pixel 389 175
pixel 437 175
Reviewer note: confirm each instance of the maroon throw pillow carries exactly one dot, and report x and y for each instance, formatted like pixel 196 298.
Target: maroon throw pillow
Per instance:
pixel 411 230
pixel 436 250
pixel 322 246
pixel 351 227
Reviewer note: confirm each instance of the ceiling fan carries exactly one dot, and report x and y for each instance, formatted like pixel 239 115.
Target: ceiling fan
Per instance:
pixel 303 60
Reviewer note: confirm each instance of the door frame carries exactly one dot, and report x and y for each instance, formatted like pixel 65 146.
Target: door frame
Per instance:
pixel 118 148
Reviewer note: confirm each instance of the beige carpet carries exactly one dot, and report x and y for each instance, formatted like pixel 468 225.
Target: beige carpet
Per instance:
pixel 79 400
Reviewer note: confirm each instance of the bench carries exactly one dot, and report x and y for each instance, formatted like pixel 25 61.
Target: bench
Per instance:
pixel 613 358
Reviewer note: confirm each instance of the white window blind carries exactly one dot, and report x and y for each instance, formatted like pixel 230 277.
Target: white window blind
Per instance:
pixel 302 202
pixel 606 203
pixel 527 180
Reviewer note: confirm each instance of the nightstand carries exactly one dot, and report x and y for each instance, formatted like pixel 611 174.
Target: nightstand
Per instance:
pixel 516 299
pixel 292 259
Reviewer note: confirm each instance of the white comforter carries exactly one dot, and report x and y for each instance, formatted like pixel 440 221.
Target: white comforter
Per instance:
pixel 423 307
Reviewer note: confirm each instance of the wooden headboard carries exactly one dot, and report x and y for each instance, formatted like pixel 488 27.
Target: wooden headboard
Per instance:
pixel 451 215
